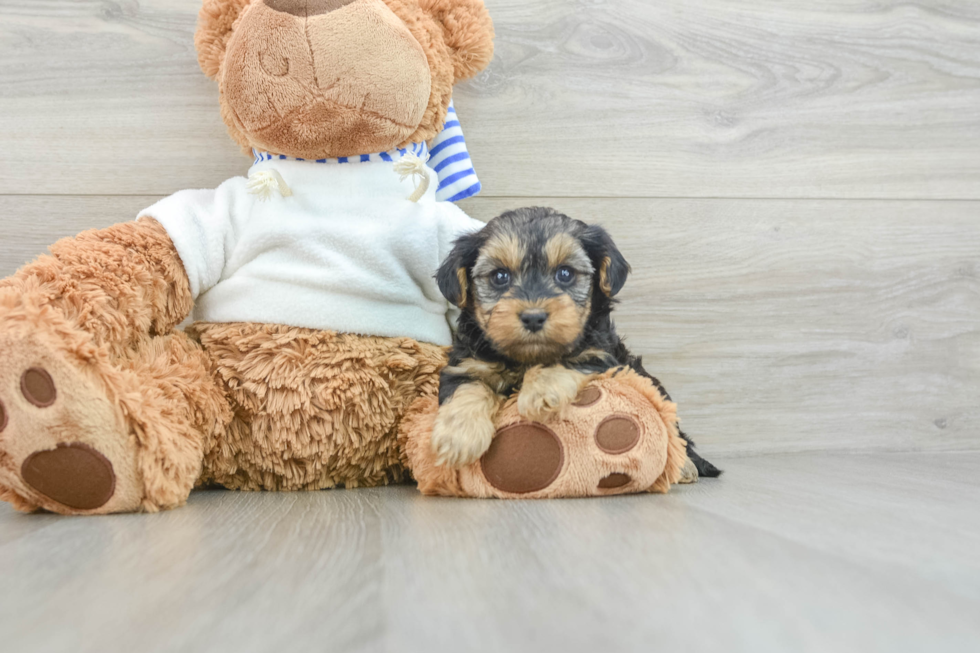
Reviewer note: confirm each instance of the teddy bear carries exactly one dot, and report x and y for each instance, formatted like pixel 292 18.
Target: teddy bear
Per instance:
pixel 284 331
pixel 316 321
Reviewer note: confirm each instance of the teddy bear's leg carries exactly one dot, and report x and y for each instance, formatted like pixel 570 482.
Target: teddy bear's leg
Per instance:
pixel 101 402
pixel 116 287
pixel 619 435
pixel 312 409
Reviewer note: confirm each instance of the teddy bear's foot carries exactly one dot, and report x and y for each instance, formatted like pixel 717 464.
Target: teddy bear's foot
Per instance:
pixel 63 445
pixel 86 431
pixel 618 436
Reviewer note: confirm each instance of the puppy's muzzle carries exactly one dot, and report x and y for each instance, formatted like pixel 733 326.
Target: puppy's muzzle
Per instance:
pixel 533 319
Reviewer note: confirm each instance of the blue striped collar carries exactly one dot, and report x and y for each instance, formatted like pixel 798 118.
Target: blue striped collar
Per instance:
pixel 447 156
pixel 418 149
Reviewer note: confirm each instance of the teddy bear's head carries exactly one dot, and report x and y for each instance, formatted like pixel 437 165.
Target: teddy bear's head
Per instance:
pixel 331 78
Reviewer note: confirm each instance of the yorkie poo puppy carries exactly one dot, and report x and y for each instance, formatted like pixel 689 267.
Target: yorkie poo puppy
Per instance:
pixel 535 289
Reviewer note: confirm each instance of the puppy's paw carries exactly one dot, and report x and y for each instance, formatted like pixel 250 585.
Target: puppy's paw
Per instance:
pixel 464 426
pixel 548 390
pixel 457 441
pixel 690 473
pixel 537 402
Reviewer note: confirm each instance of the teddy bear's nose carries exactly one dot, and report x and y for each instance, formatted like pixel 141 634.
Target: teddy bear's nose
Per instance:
pixel 307 7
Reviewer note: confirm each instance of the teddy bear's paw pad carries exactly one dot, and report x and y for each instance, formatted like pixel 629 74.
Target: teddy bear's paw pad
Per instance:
pixel 614 481
pixel 588 397
pixel 64 444
pixel 74 475
pixel 38 387
pixel 617 434
pixel 523 458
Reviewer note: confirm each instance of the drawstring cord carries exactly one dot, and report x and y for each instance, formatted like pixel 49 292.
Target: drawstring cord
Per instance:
pixel 263 182
pixel 412 165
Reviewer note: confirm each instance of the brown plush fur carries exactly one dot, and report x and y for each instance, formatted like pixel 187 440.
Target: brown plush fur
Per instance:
pixel 370 76
pixel 312 409
pixel 120 284
pixel 99 316
pixel 468 32
pixel 214 28
pixel 653 464
pixel 245 405
pixel 248 406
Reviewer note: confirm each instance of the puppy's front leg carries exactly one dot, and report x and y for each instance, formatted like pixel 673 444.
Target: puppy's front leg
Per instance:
pixel 548 390
pixel 464 426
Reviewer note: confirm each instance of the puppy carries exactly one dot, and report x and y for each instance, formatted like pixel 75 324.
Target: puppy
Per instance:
pixel 535 289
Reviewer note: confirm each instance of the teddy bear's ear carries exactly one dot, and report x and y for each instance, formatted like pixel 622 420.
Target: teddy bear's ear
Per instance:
pixel 214 23
pixel 468 31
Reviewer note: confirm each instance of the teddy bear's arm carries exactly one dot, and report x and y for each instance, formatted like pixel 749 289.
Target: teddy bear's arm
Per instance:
pixel 120 284
pixel 204 227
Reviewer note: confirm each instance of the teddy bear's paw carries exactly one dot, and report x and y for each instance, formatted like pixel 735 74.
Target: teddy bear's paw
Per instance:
pixel 63 446
pixel 459 439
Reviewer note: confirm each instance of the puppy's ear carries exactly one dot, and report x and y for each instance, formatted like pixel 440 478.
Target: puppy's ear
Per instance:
pixel 453 274
pixel 214 23
pixel 609 263
pixel 468 31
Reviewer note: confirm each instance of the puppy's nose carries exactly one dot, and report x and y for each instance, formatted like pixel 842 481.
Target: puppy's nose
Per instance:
pixel 534 319
pixel 307 7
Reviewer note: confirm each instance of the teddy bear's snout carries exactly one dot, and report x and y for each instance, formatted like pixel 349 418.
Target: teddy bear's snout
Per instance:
pixel 307 8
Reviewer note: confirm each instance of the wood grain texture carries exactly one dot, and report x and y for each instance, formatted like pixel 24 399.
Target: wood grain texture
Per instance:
pixel 625 98
pixel 776 325
pixel 799 552
pixel 790 325
pixel 30 224
pixel 839 339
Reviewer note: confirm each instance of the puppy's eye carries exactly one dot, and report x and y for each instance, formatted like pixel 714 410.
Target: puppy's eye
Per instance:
pixel 564 275
pixel 500 278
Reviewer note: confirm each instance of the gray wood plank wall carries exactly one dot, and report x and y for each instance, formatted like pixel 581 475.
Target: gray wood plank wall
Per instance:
pixel 796 184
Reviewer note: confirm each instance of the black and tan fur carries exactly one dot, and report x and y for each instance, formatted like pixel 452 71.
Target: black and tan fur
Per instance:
pixel 562 276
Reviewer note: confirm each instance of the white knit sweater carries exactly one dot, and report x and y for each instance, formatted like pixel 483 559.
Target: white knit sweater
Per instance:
pixel 346 251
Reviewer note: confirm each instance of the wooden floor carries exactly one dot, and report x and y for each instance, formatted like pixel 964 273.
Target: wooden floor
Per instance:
pixel 791 552
pixel 797 187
